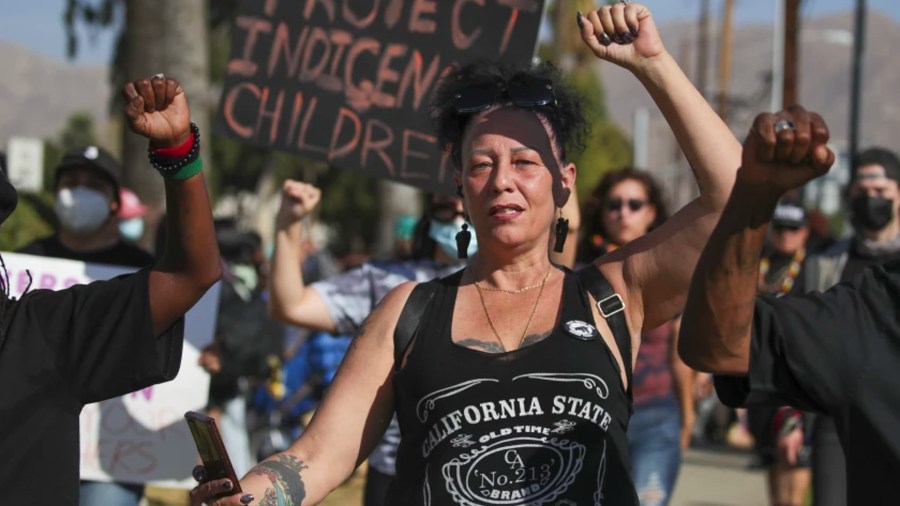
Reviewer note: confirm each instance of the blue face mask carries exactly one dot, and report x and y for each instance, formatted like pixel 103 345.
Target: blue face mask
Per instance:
pixel 445 235
pixel 132 229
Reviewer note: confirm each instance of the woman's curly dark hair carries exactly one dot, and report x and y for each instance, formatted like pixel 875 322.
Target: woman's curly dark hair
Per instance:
pixel 566 118
pixel 592 210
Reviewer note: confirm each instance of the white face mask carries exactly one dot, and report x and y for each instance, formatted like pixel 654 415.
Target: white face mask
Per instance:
pixel 81 209
pixel 444 234
pixel 132 228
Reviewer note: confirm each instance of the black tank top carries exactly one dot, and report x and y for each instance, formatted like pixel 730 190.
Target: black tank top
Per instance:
pixel 541 425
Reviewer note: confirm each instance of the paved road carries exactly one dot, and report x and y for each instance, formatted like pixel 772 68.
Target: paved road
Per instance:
pixel 708 478
pixel 719 478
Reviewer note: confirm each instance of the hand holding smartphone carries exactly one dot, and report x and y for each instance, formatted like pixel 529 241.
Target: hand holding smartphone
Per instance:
pixel 212 450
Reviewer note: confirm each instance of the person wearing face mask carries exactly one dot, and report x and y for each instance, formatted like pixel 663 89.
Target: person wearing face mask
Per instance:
pixel 87 203
pixel 873 197
pixel 131 216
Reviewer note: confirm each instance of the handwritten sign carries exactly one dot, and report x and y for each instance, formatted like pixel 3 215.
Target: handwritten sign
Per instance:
pixel 140 437
pixel 349 81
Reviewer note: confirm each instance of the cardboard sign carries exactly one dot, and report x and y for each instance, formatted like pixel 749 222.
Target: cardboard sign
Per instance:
pixel 140 437
pixel 349 81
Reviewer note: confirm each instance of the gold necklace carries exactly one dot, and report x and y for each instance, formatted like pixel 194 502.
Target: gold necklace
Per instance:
pixel 530 317
pixel 512 292
pixel 788 275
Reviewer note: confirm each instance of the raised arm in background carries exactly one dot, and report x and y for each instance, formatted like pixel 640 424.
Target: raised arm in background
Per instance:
pixel 157 109
pixel 290 300
pixel 715 334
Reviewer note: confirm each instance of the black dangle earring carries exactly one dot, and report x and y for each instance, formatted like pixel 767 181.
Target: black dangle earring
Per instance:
pixel 562 231
pixel 463 237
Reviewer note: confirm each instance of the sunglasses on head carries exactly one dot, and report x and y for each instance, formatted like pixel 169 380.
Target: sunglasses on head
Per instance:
pixel 522 91
pixel 785 228
pixel 633 204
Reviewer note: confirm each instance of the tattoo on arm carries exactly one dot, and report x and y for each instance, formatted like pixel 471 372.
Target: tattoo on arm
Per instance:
pixel 287 484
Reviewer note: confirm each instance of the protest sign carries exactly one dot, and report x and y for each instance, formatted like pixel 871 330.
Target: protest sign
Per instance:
pixel 349 81
pixel 140 437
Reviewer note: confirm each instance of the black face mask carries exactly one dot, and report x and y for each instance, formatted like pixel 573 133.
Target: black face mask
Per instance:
pixel 872 213
pixel 8 197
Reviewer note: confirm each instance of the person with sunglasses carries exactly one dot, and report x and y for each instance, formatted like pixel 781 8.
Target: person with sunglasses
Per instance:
pixel 514 387
pixel 627 204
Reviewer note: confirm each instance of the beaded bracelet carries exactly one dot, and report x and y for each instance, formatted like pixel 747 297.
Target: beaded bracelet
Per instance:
pixel 181 168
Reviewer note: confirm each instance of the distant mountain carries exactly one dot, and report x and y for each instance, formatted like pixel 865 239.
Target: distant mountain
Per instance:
pixel 38 94
pixel 825 71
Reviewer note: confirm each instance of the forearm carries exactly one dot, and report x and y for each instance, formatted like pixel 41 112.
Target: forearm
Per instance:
pixel 289 477
pixel 683 385
pixel 286 285
pixel 190 263
pixel 715 334
pixel 708 144
pixel 682 377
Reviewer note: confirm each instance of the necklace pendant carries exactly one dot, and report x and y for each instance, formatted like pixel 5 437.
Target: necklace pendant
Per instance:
pixel 581 330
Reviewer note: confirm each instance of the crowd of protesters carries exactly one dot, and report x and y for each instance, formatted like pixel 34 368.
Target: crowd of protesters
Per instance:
pixel 288 319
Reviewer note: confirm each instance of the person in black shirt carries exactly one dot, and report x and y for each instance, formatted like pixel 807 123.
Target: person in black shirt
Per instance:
pixel 873 195
pixel 501 403
pixel 781 433
pixel 61 350
pixel 834 353
pixel 87 202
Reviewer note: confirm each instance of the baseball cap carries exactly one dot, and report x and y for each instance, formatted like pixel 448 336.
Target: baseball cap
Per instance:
pixel 93 157
pixel 789 213
pixel 131 206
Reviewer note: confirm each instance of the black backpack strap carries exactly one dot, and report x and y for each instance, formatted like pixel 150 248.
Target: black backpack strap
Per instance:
pixel 612 308
pixel 419 300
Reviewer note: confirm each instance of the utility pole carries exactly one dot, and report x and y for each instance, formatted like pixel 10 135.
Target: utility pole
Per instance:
pixel 725 59
pixel 859 39
pixel 702 48
pixel 791 51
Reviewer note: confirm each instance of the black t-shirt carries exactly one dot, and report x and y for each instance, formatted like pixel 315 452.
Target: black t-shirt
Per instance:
pixel 541 425
pixel 856 263
pixel 62 350
pixel 122 253
pixel 837 353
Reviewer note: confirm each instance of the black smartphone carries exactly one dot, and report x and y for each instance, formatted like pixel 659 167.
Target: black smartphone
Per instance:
pixel 212 449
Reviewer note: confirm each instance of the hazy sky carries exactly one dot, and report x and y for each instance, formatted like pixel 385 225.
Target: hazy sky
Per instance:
pixel 37 24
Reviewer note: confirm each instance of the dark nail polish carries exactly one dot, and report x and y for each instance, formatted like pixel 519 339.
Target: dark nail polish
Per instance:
pixel 227 485
pixel 634 31
pixel 604 39
pixel 627 38
pixel 617 38
pixel 579 18
pixel 199 473
pixel 247 498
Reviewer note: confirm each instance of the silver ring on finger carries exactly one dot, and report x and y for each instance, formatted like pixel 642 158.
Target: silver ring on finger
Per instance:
pixel 623 2
pixel 158 76
pixel 784 124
